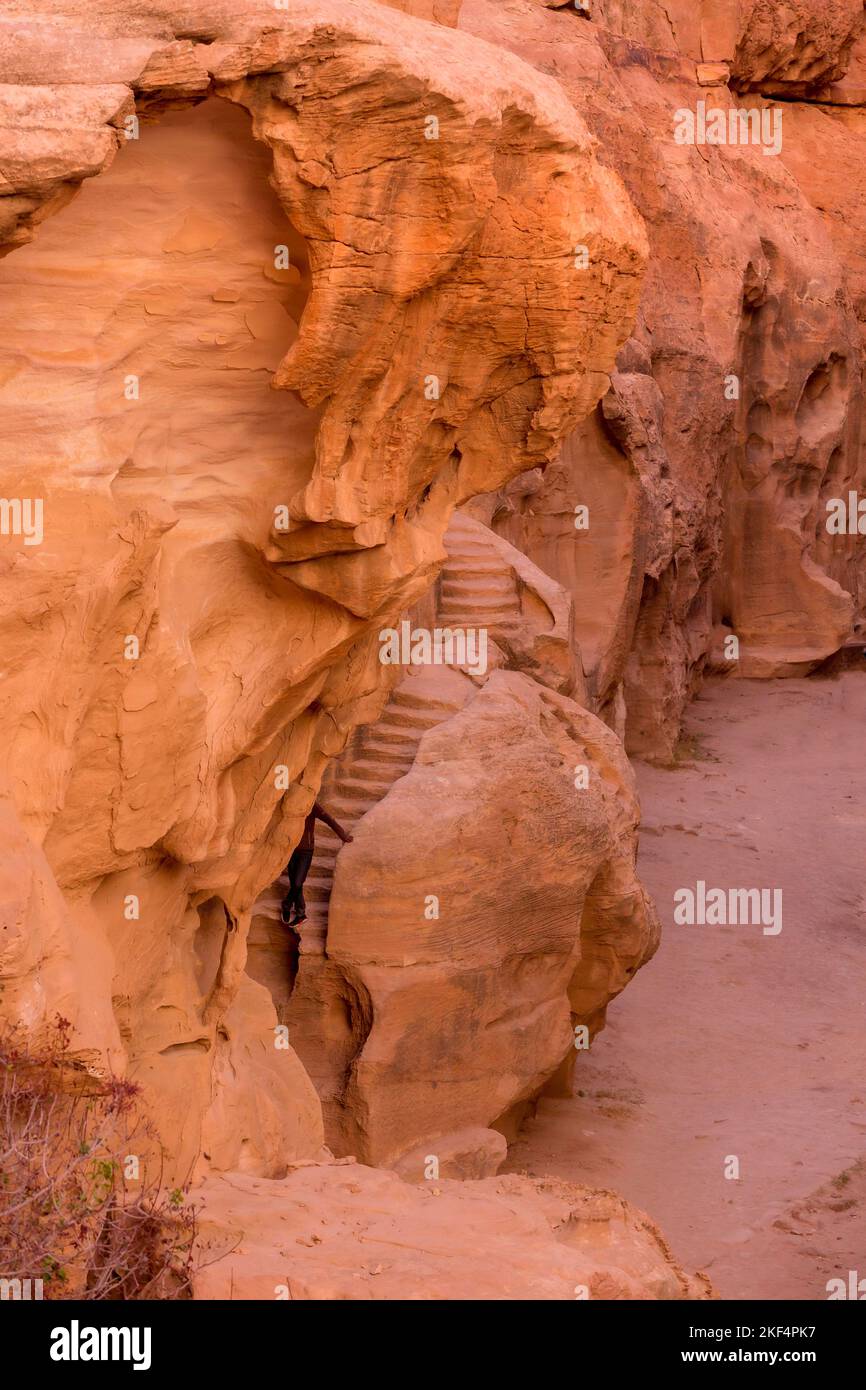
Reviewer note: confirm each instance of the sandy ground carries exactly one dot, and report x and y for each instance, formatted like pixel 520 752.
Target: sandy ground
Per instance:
pixel 731 1042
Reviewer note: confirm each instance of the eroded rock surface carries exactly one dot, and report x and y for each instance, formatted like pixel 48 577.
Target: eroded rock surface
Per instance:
pixel 734 414
pixel 482 909
pixel 462 949
pixel 281 290
pixel 196 634
pixel 349 1232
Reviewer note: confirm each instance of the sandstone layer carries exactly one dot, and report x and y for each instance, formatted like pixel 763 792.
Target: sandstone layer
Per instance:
pixel 462 951
pixel 734 413
pixel 329 1231
pixel 258 344
pixel 324 317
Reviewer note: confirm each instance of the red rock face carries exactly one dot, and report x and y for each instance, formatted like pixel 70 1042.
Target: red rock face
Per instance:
pixel 291 349
pixel 734 413
pixel 530 318
pixel 438 11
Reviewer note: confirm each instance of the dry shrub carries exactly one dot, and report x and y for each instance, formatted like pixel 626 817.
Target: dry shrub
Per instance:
pixel 71 1213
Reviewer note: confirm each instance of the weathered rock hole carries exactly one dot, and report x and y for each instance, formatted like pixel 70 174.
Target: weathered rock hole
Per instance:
pixel 208 943
pixel 823 404
pixel 163 272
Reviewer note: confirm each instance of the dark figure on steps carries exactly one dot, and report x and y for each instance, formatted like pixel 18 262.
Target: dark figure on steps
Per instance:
pixel 294 909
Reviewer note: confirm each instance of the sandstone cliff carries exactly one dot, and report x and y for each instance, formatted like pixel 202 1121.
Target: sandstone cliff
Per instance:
pixel 283 288
pixel 196 635
pixel 735 409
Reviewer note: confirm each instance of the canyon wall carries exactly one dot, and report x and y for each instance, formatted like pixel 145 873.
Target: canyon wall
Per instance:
pixel 734 413
pixel 326 316
pixel 703 475
pixel 261 336
pixel 462 950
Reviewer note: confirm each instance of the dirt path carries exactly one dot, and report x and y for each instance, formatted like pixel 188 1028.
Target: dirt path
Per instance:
pixel 732 1042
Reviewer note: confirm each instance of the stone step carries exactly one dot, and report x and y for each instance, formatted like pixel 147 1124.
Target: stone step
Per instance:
pixel 472 590
pixel 469 553
pixel 468 602
pixel 481 570
pixel 326 836
pixel 397 735
pixel 480 567
pixel 318 890
pixel 504 617
pixel 346 812
pixel 330 845
pixel 342 814
pixel 355 790
pixel 460 538
pixel 375 774
pixel 314 937
pixel 508 598
pixel 325 854
pixel 493 622
pixel 473 620
pixel 420 717
pixel 397 755
pixel 476 574
pixel 359 794
pixel 404 695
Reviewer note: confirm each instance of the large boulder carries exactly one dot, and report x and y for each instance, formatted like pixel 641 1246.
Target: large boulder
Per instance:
pixel 343 1231
pixel 486 906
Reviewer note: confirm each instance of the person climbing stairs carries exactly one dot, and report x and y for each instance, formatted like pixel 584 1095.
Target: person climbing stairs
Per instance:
pixel 294 908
